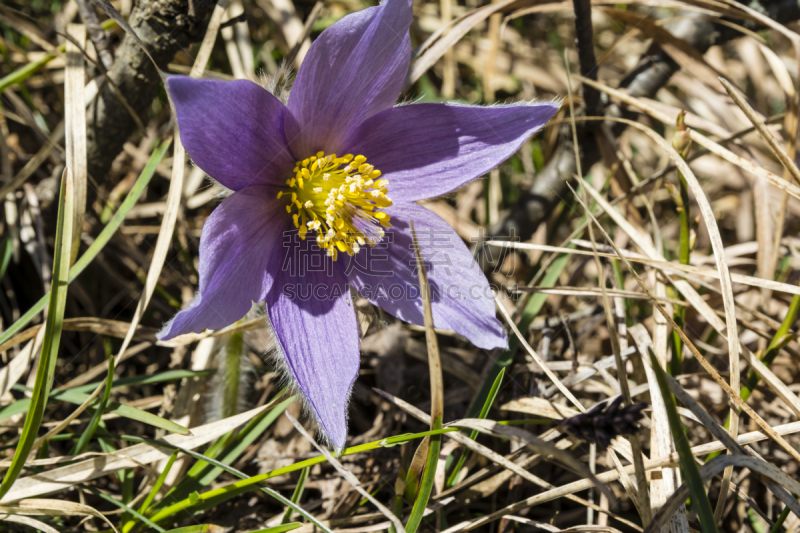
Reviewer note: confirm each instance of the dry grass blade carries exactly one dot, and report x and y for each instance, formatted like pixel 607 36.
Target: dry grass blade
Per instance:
pixel 430 54
pixel 713 147
pixel 168 223
pixel 592 291
pixel 28 521
pixel 55 508
pixel 725 284
pixel 437 392
pixel 681 51
pixel 613 475
pixel 766 21
pixel 536 444
pixel 434 360
pixel 640 494
pixel 75 124
pixel 670 477
pixel 719 254
pixel 302 44
pixel 776 148
pixel 35 162
pixel 62 478
pixel 505 463
pixel 118 329
pixel 13 371
pixel 733 396
pixel 538 359
pixel 347 475
pixel 773 382
pixel 539 407
pixel 661 264
pixel 713 468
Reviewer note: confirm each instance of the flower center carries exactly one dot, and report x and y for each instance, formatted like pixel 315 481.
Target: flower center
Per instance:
pixel 340 199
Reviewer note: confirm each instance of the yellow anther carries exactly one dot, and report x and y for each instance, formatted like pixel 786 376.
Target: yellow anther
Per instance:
pixel 342 203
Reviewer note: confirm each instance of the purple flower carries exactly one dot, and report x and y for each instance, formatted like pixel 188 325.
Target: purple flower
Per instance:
pixel 324 192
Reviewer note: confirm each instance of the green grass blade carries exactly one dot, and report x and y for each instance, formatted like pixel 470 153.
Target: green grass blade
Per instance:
pixel 23 73
pixel 531 311
pixel 779 340
pixel 127 412
pixel 199 528
pixel 296 495
pixel 197 500
pixel 222 494
pixel 159 482
pixel 226 450
pixel 102 239
pixel 52 334
pixel 121 505
pixel 21 406
pixel 688 464
pixel 8 249
pixel 87 435
pixel 152 494
pixel 778 527
pixel 474 434
pixel 426 485
pixel 279 529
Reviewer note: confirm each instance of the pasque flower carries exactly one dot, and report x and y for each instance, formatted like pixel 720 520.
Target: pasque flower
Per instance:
pixel 324 190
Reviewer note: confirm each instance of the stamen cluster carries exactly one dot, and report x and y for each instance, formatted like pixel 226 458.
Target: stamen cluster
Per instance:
pixel 340 199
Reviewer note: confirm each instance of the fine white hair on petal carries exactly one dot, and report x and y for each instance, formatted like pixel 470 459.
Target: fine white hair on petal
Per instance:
pixel 194 303
pixel 215 395
pixel 276 356
pixel 279 84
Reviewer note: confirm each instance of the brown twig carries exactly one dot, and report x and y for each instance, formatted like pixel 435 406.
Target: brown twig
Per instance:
pixel 164 27
pixel 584 39
pixel 96 33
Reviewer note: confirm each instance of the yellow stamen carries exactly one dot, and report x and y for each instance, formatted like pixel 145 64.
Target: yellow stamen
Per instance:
pixel 342 203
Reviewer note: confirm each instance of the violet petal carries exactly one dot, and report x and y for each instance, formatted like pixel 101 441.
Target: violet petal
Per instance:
pixel 312 313
pixel 426 150
pixel 353 70
pixel 386 275
pixel 235 247
pixel 233 130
